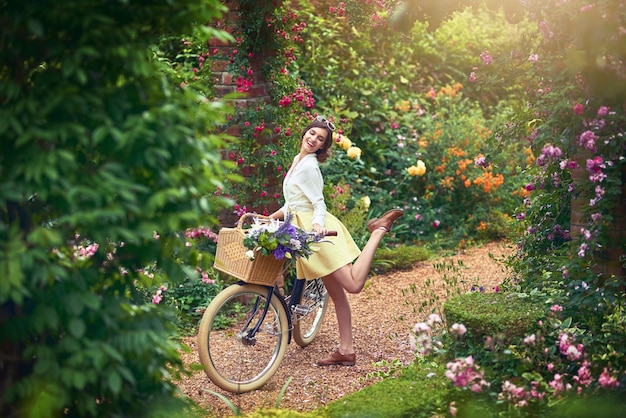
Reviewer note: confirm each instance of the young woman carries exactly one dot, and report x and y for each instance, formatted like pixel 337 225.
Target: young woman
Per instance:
pixel 303 192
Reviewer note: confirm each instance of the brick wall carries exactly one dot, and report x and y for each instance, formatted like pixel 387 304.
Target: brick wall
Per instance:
pixel 226 83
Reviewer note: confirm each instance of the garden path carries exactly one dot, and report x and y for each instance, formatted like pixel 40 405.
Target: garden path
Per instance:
pixel 383 315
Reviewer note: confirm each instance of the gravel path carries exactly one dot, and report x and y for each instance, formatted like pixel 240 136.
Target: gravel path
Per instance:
pixel 383 316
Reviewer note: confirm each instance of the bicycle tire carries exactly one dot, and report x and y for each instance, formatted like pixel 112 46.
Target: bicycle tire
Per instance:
pixel 230 362
pixel 315 299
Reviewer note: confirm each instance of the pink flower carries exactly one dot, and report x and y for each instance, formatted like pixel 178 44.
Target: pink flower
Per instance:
pixel 603 110
pixel 556 308
pixel 452 409
pixel 458 329
pixel 607 381
pixel 578 109
pixel 472 77
pixel 436 223
pixel 533 58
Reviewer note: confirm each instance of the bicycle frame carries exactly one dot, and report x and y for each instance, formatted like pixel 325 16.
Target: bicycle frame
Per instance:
pixel 270 290
pixel 294 299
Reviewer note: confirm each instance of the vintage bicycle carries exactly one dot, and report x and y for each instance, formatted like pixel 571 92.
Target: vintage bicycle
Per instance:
pixel 246 328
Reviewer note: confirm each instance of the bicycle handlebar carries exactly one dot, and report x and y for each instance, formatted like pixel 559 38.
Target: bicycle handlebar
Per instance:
pixel 254 215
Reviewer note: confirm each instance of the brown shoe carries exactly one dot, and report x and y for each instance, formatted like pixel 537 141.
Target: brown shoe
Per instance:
pixel 385 221
pixel 338 359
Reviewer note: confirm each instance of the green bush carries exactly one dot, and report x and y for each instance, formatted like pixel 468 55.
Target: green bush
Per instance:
pixel 498 315
pixel 420 390
pixel 105 160
pixel 400 257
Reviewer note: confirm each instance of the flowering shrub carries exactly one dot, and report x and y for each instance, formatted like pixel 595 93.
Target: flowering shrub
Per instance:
pixel 421 146
pixel 570 235
pixel 280 239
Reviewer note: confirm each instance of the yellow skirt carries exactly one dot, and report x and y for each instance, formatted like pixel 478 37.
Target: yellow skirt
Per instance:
pixel 330 256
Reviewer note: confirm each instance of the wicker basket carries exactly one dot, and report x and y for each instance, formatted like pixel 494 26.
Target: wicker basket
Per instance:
pixel 231 259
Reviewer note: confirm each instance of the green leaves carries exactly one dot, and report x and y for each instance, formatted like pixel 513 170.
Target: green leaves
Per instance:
pixel 99 150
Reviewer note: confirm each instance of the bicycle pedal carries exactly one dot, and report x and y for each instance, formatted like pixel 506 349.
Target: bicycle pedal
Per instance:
pixel 301 309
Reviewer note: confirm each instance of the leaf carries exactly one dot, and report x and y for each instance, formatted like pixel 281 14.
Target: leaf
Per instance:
pixel 567 323
pixel 114 382
pixel 77 327
pixel 35 27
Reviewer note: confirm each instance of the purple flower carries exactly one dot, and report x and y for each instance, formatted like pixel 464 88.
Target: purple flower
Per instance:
pixel 486 58
pixel 481 162
pixel 588 140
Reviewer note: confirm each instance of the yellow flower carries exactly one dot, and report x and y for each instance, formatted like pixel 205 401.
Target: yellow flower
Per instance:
pixel 342 140
pixel 354 153
pixel 417 170
pixel 366 201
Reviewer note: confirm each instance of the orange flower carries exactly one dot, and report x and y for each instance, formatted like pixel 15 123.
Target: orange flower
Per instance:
pixel 403 105
pixel 447 183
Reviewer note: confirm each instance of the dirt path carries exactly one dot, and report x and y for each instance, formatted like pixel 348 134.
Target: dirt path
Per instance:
pixel 383 316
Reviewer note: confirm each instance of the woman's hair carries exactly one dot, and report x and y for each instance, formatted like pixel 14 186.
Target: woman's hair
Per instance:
pixel 323 153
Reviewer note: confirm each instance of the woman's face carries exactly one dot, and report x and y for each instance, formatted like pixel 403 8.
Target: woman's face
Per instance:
pixel 313 140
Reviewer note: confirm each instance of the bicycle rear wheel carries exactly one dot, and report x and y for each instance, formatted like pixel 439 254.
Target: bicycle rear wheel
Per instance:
pixel 309 313
pixel 231 359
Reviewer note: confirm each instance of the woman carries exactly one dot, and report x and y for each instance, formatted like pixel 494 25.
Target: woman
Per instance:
pixel 303 192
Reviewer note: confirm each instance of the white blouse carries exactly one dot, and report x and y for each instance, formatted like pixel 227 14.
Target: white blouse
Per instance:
pixel 303 188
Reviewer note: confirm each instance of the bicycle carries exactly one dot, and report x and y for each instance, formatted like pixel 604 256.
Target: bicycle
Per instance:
pixel 245 330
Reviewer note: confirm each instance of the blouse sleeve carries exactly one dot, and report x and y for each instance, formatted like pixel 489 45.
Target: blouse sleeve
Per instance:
pixel 311 183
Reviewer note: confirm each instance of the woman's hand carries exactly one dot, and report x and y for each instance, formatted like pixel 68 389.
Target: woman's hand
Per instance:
pixel 319 230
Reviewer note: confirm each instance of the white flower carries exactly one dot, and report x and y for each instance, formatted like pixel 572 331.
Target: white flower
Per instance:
pixel 250 254
pixel 433 319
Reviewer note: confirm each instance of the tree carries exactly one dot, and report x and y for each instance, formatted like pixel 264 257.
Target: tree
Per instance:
pixel 103 162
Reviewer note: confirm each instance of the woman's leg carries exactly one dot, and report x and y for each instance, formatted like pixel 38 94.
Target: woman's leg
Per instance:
pixel 352 277
pixel 344 315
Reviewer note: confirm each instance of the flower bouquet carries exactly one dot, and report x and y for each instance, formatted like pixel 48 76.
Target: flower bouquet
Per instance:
pixel 280 239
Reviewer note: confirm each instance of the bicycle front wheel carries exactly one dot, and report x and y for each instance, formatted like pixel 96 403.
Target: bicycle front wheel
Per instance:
pixel 234 357
pixel 309 313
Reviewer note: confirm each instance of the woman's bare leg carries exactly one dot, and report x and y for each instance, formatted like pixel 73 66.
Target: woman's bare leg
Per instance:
pixel 352 277
pixel 344 315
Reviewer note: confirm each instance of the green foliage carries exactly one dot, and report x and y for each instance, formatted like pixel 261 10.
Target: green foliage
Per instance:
pixel 419 391
pixel 352 212
pixel 105 159
pixel 401 257
pixel 507 316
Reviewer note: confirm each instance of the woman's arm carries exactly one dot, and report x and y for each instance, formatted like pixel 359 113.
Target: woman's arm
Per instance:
pixel 279 214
